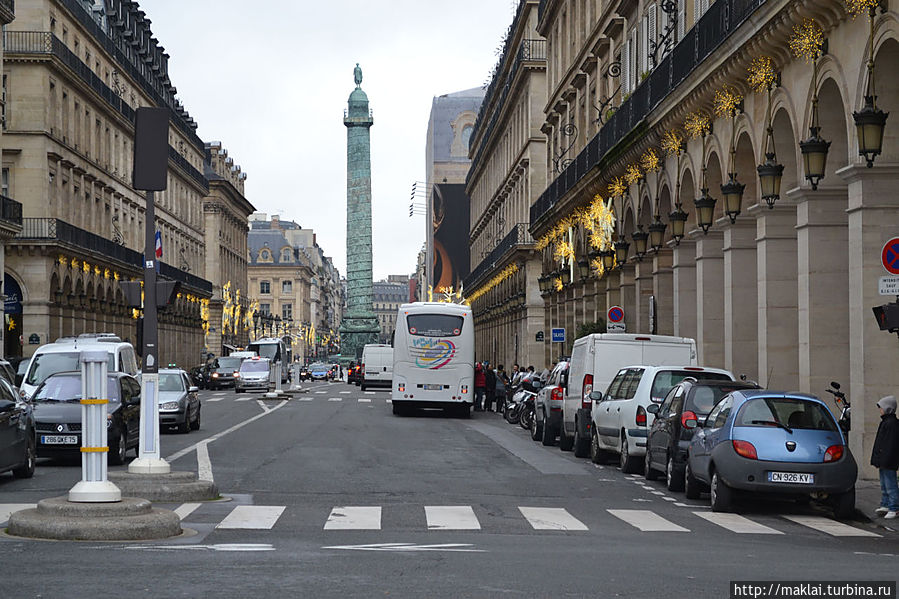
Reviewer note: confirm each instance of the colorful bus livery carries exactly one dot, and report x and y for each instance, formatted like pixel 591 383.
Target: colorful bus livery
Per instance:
pixel 433 358
pixel 432 354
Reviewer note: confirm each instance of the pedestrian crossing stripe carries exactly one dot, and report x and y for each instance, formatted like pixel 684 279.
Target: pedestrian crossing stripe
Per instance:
pixel 647 521
pixel 256 517
pixel 211 399
pixel 354 518
pixel 247 398
pixel 551 518
pixel 335 399
pixel 362 400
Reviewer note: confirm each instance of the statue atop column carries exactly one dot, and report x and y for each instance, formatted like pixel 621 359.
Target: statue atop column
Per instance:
pixel 357 75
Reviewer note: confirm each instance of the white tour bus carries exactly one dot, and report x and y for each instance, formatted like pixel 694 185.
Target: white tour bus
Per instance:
pixel 433 358
pixel 275 350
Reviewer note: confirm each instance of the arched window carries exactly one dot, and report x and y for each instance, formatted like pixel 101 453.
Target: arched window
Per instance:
pixel 466 136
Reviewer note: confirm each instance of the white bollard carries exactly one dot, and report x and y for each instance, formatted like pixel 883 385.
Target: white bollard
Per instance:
pixel 94 486
pixel 148 459
pixel 275 376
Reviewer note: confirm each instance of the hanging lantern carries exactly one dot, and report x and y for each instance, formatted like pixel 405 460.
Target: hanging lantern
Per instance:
pixel 770 175
pixel 678 220
pixel 733 197
pixel 656 234
pixel 608 259
pixel 583 268
pixel 814 156
pixel 705 210
pixel 621 248
pixel 870 122
pixel 639 236
pixel 566 276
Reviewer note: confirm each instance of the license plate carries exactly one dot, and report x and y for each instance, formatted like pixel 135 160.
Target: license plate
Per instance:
pixel 433 387
pixel 801 478
pixel 59 439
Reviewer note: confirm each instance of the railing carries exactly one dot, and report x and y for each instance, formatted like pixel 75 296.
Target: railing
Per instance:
pixel 44 42
pixel 53 228
pixel 10 210
pixel 517 237
pixel 722 19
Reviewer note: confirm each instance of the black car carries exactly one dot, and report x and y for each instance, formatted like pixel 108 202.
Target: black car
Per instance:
pixel 687 403
pixel 17 452
pixel 57 414
pixel 221 373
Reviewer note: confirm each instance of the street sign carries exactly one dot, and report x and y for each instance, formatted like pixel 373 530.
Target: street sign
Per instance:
pixel 889 256
pixel 889 286
pixel 558 335
pixel 615 314
pixel 540 336
pixel 616 327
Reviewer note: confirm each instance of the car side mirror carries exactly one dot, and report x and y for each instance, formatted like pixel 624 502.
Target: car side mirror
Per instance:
pixel 193 389
pixel 653 409
pixel 596 396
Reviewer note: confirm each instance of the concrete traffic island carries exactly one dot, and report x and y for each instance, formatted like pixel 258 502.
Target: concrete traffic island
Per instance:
pixel 130 519
pixel 169 487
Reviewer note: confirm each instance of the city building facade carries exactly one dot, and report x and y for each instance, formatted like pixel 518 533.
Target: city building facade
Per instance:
pixel 508 172
pixel 74 73
pixel 731 128
pixel 387 297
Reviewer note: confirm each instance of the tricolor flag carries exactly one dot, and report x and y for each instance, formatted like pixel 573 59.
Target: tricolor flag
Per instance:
pixel 158 245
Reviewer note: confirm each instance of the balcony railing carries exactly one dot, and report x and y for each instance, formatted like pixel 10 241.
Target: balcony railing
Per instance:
pixel 722 19
pixel 36 229
pixel 518 237
pixel 10 211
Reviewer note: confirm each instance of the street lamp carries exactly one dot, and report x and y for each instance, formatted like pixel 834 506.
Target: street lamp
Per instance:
pixel 814 149
pixel 255 324
pixel 583 268
pixel 608 259
pixel 566 276
pixel 705 209
pixel 621 248
pixel 639 236
pixel 870 120
pixel 733 197
pixel 656 234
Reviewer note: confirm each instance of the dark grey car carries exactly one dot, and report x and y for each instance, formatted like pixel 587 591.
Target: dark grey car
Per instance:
pixel 17 451
pixel 179 402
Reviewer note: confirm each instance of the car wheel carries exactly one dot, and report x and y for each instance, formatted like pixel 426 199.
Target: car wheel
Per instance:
pixel 597 455
pixel 195 425
pixel 649 473
pixel 363 387
pixel 691 484
pixel 566 443
pixel 548 437
pixel 673 479
pixel 581 444
pixel 628 463
pixel 184 427
pixel 843 504
pixel 118 451
pixel 236 390
pixel 722 495
pixel 26 470
pixel 537 427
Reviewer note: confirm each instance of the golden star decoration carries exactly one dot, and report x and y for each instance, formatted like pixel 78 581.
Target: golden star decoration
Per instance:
pixel 727 101
pixel 499 278
pixel 761 74
pixel 617 187
pixel 806 40
pixel 672 142
pixel 649 161
pixel 697 124
pixel 857 7
pixel 632 174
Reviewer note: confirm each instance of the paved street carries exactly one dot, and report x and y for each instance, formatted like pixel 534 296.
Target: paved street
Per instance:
pixel 330 495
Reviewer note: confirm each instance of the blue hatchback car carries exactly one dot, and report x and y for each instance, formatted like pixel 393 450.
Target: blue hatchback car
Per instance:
pixel 781 444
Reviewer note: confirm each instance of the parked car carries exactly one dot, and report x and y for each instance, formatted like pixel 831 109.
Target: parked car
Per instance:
pixel 7 372
pixel 675 421
pixel 254 374
pixel 222 372
pixel 377 366
pixel 21 368
pixel 620 418
pixel 17 449
pixel 179 403
pixel 547 419
pixel 57 415
pixel 595 361
pixel 319 371
pixel 774 443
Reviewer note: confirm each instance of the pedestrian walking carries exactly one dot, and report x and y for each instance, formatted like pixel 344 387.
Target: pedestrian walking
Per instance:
pixel 490 393
pixel 516 374
pixel 885 457
pixel 502 386
pixel 480 385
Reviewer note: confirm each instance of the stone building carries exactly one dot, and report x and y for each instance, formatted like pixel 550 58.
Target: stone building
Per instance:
pixel 508 172
pixel 387 296
pixel 775 282
pixel 225 212
pixel 291 280
pixel 74 73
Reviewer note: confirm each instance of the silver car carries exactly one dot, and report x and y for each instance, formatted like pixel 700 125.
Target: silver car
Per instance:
pixel 179 402
pixel 254 374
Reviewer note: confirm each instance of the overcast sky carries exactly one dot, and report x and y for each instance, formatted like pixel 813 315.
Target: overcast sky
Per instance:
pixel 270 80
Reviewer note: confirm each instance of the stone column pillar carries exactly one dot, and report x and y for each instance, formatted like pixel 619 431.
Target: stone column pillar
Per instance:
pixel 683 274
pixel 822 228
pixel 643 288
pixel 874 354
pixel 741 344
pixel 778 295
pixel 628 296
pixel 613 290
pixel 663 290
pixel 709 297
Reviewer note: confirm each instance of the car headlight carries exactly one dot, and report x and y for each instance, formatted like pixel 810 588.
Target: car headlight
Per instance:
pixel 169 405
pixel 215 375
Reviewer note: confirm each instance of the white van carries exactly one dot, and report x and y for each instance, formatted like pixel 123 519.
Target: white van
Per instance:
pixel 62 356
pixel 377 366
pixel 595 360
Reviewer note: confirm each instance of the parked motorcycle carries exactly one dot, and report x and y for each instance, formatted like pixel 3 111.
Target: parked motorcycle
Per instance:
pixel 845 409
pixel 521 407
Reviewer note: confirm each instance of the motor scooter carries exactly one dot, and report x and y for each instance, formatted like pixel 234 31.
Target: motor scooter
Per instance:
pixel 845 409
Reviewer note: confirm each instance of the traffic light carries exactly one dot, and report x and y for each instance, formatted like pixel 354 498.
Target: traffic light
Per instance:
pixel 887 317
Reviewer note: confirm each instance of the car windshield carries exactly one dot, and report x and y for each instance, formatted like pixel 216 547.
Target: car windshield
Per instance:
pixel 705 397
pixel 68 388
pixel 254 366
pixel 171 382
pixel 435 325
pixel 666 379
pixel 785 412
pixel 229 363
pixel 43 365
pixel 319 367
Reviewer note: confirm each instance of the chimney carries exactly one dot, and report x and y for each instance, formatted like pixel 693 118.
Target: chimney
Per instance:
pixel 276 223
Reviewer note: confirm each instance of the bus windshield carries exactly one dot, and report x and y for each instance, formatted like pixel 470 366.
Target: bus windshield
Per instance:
pixel 435 325
pixel 266 350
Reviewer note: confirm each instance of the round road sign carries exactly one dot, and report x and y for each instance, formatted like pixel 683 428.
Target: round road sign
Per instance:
pixel 889 257
pixel 616 314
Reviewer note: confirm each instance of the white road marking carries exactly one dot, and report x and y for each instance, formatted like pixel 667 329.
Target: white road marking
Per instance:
pixel 211 399
pixel 647 521
pixel 369 392
pixel 204 466
pixel 551 518
pixel 304 399
pixel 8 509
pixel 219 547
pixel 737 523
pixel 320 392
pixel 831 527
pixel 407 547
pixel 239 425
pixel 244 398
pixel 362 400
pixel 666 498
pixel 257 517
pixel 657 493
pixel 335 399
pixel 354 518
pixel 346 392
pixel 451 517
pixel 186 509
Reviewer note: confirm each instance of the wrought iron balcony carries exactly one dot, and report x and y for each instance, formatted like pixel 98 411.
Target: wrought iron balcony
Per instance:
pixel 721 20
pixel 10 211
pixel 53 229
pixel 517 238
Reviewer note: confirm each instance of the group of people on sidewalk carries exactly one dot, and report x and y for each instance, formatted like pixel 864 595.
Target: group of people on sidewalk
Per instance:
pixel 492 386
pixel 885 457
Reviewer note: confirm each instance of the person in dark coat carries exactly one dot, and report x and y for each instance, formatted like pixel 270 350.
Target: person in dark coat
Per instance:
pixel 885 457
pixel 490 391
pixel 480 385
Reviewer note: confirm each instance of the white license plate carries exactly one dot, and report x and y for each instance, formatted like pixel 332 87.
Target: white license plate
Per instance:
pixel 59 439
pixel 433 387
pixel 801 478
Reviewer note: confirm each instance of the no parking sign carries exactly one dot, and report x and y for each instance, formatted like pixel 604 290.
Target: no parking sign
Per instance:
pixel 615 320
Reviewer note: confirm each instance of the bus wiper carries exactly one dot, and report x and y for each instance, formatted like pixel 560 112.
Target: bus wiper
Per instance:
pixel 775 423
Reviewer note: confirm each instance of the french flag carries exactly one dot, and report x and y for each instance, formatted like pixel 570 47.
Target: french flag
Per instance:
pixel 158 245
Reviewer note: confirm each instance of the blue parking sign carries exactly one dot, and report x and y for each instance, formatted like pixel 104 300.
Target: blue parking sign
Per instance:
pixel 558 335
